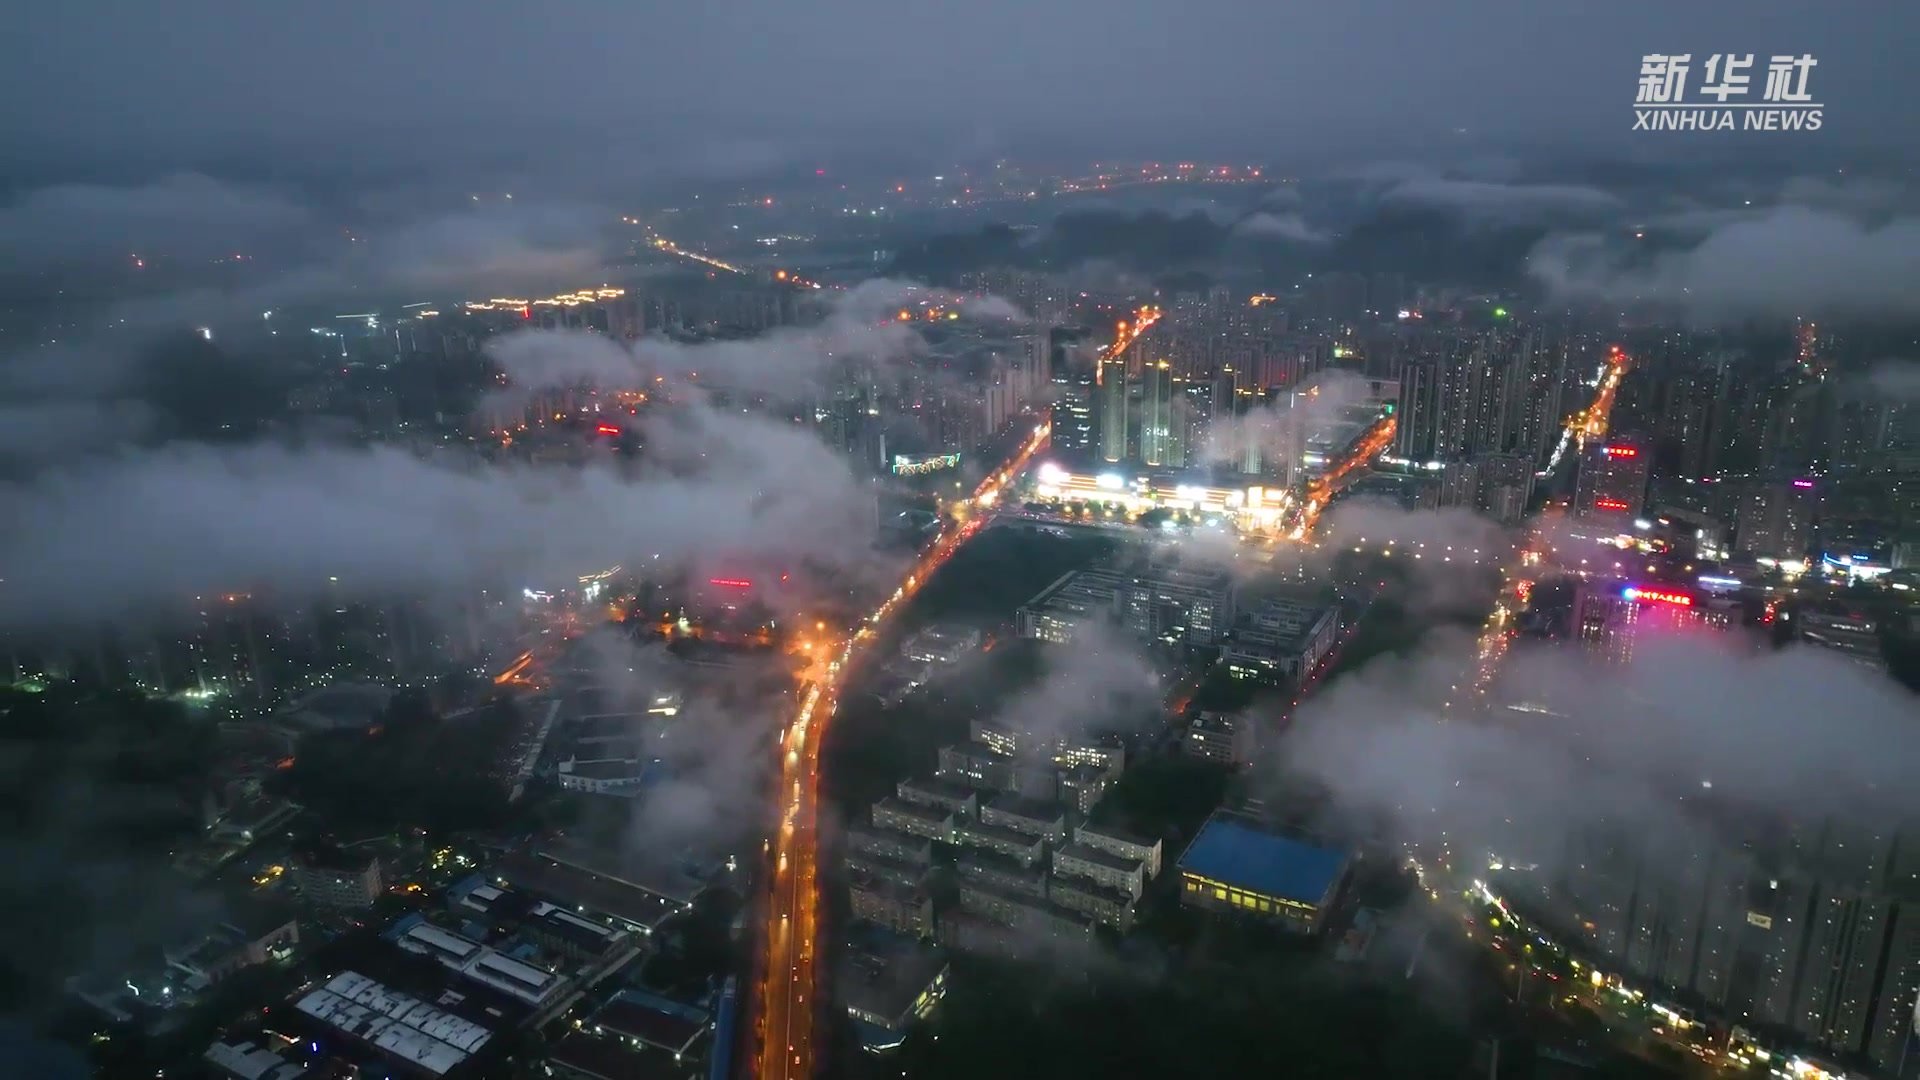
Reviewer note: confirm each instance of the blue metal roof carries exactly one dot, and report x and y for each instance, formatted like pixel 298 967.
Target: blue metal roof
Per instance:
pixel 1261 862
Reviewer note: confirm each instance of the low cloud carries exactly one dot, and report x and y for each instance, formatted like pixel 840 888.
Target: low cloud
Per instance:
pixel 1790 260
pixel 1289 227
pixel 155 529
pixel 1503 202
pixel 186 215
pixel 1896 379
pixel 1101 682
pixel 1278 431
pixel 1698 741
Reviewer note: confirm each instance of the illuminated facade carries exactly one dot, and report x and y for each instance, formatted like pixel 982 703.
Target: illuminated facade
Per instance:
pixel 1233 865
pixel 1611 489
pixel 1252 508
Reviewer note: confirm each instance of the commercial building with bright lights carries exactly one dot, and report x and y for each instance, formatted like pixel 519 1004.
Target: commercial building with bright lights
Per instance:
pixel 1611 617
pixel 1249 507
pixel 1234 865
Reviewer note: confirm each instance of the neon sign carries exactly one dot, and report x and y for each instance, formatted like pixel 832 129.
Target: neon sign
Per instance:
pixel 1609 504
pixel 1622 451
pixel 920 464
pixel 730 582
pixel 1656 596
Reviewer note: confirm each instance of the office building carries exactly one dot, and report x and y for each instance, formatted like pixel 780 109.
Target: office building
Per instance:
pixel 1232 865
pixel 1002 872
pixel 1162 430
pixel 1106 868
pixel 932 822
pixel 1035 817
pixel 940 794
pixel 1000 840
pixel 977 765
pixel 335 879
pixel 1283 640
pixel 1083 786
pixel 1226 738
pixel 1157 601
pixel 1103 903
pixel 904 909
pixel 1774 518
pixel 1114 406
pixel 889 843
pixel 1122 844
pixel 1611 488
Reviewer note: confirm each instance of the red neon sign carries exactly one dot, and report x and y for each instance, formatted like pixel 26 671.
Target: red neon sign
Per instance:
pixel 1657 596
pixel 1609 504
pixel 1622 451
pixel 730 582
pixel 608 429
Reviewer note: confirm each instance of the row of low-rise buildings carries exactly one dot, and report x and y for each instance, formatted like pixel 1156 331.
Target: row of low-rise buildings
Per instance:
pixel 1022 865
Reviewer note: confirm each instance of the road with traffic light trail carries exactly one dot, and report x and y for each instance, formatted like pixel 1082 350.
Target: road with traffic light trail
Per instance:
pixel 1371 444
pixel 1590 422
pixel 786 1008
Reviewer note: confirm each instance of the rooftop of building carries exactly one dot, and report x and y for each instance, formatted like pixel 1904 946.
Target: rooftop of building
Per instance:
pixel 400 1025
pixel 978 861
pixel 1115 834
pixel 1094 855
pixel 974 751
pixel 1224 723
pixel 1083 773
pixel 1027 807
pixel 893 805
pixel 936 786
pixel 864 881
pixel 884 866
pixel 1087 886
pixel 607 769
pixel 1235 851
pixel 607 1058
pixel 652 1019
pixel 881 832
pixel 1282 622
pixel 546 876
pixel 985 831
pixel 886 974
